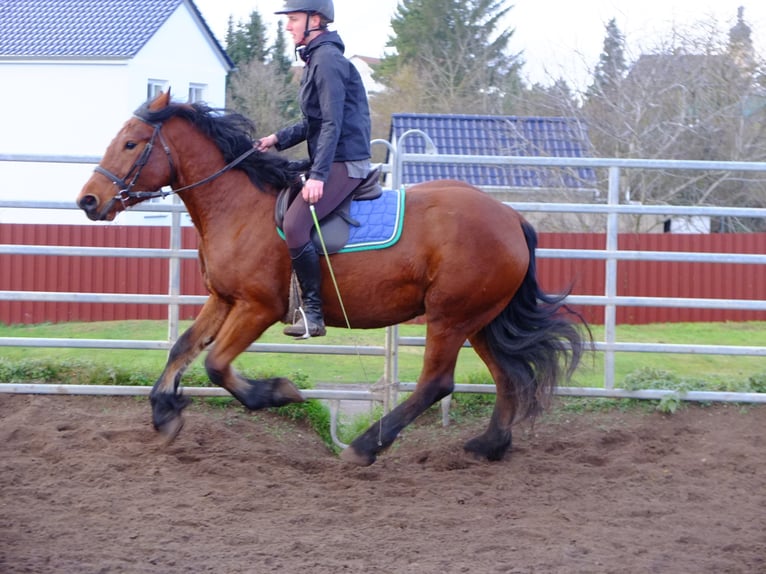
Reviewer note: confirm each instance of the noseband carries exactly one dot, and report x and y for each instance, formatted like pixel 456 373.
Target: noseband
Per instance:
pixel 125 188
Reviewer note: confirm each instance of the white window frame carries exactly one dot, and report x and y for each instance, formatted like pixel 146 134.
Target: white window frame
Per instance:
pixel 154 87
pixel 197 92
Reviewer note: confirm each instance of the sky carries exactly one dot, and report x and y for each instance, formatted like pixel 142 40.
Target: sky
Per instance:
pixel 557 38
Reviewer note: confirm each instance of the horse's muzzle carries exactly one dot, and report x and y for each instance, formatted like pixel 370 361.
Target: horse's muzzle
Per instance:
pixel 89 204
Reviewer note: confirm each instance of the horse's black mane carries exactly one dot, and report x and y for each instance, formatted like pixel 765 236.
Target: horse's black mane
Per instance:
pixel 233 133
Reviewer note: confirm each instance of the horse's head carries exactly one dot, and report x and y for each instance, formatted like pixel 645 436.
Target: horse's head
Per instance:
pixel 206 144
pixel 131 163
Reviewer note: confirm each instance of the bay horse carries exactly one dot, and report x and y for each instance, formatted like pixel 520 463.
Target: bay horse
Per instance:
pixel 464 261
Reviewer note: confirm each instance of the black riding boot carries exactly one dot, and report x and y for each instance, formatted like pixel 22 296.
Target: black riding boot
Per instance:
pixel 310 322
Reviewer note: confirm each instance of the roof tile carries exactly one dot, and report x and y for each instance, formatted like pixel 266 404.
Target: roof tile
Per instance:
pixel 81 28
pixel 497 136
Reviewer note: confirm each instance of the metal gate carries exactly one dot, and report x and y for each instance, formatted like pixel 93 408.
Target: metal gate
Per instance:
pixel 391 385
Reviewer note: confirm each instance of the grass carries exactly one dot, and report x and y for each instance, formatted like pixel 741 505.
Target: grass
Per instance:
pixel 143 367
pixel 633 370
pixel 699 371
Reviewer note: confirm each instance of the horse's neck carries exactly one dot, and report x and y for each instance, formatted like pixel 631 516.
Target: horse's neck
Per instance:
pixel 231 195
pixel 227 196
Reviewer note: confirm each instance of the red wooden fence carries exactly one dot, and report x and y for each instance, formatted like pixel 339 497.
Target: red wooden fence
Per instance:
pixel 92 274
pixel 662 279
pixel 150 276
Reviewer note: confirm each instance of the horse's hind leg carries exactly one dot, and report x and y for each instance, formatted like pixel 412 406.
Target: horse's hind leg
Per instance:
pixel 496 440
pixel 245 323
pixel 167 404
pixel 436 381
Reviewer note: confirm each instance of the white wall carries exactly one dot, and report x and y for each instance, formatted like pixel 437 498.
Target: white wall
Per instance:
pixel 690 224
pixel 73 108
pixel 57 109
pixel 366 72
pixel 180 54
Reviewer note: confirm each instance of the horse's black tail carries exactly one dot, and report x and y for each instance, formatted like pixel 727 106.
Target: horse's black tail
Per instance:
pixel 536 339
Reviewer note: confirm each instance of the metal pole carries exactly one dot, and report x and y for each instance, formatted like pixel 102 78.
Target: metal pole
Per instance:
pixel 391 367
pixel 174 273
pixel 610 310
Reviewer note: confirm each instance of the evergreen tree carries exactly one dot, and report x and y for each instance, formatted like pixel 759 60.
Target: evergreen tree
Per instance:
pixel 279 55
pixel 262 86
pixel 236 46
pixel 246 42
pixel 459 49
pixel 611 67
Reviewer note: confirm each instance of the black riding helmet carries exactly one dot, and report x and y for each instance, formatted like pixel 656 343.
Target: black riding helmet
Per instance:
pixel 322 7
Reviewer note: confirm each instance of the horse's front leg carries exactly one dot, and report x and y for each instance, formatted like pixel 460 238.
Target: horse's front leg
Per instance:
pixel 167 403
pixel 244 324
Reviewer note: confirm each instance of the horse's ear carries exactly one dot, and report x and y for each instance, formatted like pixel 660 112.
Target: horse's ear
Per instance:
pixel 161 101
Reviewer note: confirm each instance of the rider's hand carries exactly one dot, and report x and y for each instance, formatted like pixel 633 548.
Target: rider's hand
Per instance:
pixel 312 190
pixel 266 143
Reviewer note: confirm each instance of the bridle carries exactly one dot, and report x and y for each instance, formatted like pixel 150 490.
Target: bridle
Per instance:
pixel 125 189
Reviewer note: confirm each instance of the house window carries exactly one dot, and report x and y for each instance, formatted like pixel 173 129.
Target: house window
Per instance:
pixel 196 93
pixel 154 87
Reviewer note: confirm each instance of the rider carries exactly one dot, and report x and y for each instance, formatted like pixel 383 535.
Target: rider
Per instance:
pixel 336 125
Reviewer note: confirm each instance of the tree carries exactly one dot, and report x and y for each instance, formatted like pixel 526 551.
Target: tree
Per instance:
pixel 692 99
pixel 556 99
pixel 246 41
pixel 262 87
pixel 259 92
pixel 458 49
pixel 611 67
pixel 279 53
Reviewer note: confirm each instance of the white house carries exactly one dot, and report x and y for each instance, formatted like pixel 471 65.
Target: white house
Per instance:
pixel 72 73
pixel 365 67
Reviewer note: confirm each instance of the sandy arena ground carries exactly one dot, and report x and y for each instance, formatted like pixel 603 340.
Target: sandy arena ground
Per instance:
pixel 87 487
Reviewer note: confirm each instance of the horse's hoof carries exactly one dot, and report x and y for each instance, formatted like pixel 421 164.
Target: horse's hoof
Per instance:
pixel 350 456
pixel 482 449
pixel 285 392
pixel 169 431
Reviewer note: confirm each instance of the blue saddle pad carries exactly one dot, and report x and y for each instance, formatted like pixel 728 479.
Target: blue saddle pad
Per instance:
pixel 380 222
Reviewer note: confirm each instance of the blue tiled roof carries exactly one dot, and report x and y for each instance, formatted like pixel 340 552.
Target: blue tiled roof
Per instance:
pixel 84 28
pixel 497 136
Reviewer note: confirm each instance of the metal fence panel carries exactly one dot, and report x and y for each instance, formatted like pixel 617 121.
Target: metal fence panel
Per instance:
pixel 607 256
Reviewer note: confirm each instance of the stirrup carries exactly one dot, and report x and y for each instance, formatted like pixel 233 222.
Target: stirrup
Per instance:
pixel 306 334
pixel 306 324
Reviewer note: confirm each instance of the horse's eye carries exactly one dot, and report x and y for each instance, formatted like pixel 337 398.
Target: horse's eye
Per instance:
pixel 130 145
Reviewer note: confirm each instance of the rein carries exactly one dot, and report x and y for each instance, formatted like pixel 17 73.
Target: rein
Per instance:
pixel 234 163
pixel 126 192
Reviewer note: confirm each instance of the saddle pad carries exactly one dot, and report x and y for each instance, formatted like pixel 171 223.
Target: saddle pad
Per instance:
pixel 381 222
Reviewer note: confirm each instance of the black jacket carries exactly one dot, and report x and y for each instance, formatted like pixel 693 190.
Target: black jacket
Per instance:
pixel 336 115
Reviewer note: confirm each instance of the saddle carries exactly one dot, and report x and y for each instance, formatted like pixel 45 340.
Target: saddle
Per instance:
pixel 337 225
